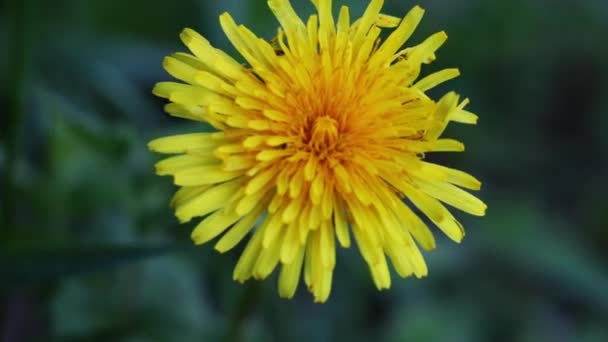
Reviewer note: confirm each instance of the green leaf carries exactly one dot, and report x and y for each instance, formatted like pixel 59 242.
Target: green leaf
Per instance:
pixel 542 248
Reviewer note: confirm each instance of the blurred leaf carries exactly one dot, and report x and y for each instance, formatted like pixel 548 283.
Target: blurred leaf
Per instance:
pixel 29 263
pixel 528 240
pixel 432 322
pixel 130 304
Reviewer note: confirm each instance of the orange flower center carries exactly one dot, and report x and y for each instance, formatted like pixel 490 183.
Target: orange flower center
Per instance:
pixel 324 134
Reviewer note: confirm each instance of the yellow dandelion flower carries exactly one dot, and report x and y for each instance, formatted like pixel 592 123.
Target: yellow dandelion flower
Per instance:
pixel 322 134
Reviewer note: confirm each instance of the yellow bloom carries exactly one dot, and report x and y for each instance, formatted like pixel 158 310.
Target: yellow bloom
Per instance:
pixel 322 133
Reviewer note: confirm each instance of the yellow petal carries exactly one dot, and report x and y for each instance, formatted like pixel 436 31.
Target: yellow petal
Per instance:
pixel 195 113
pixel 323 289
pixel 260 180
pixel 214 59
pixel 296 183
pixel 314 217
pixel 290 274
pixel 425 52
pixel 291 244
pixel 464 116
pixel 380 274
pixel 416 260
pixel 371 14
pixel 238 162
pixel 370 250
pixel 187 193
pixel 278 201
pixel 454 176
pixel 416 227
pixel 387 21
pixel 446 145
pixel 173 165
pixel 293 209
pixel 398 37
pixel 206 174
pixel 327 27
pixel 341 224
pixel 327 245
pixel 206 202
pixel 239 230
pixel 248 202
pixel 289 19
pixel 453 196
pixel 183 143
pixel 303 222
pixel 308 262
pixel 274 228
pixel 440 117
pixel 213 225
pixel 437 78
pixel 180 69
pixel 270 155
pixel 267 260
pixel 312 28
pixel 399 260
pixel 435 211
pixel 342 178
pixel 310 168
pixel 316 189
pixel 244 267
pixel 327 202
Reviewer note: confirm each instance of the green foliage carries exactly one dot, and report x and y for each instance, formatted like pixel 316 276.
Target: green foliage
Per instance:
pixel 24 264
pixel 90 250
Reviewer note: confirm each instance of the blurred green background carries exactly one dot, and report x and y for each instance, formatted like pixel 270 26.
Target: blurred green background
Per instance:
pixel 90 250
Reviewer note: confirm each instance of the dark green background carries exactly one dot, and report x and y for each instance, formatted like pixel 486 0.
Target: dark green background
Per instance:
pixel 90 250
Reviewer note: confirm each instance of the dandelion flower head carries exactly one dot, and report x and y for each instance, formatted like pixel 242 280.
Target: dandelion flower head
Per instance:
pixel 320 140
